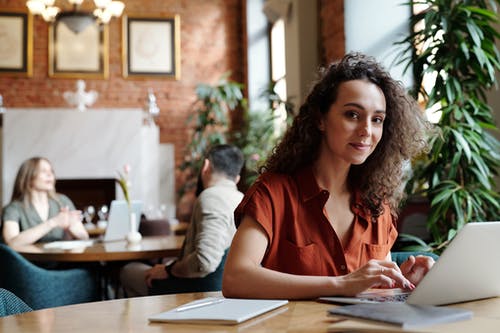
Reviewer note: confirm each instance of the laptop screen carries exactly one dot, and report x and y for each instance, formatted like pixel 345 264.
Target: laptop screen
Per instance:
pixel 118 219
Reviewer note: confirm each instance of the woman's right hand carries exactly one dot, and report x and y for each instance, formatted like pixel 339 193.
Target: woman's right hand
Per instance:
pixel 61 220
pixel 71 222
pixel 375 274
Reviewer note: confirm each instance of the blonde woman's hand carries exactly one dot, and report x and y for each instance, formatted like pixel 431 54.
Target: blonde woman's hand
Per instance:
pixel 61 220
pixel 375 274
pixel 76 227
pixel 75 217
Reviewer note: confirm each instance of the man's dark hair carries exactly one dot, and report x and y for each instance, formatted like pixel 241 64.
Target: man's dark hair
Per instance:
pixel 226 159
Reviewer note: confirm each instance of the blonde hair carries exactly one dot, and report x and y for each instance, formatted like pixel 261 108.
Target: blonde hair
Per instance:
pixel 23 185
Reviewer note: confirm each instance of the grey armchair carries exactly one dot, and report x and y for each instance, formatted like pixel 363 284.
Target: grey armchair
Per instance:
pixel 43 288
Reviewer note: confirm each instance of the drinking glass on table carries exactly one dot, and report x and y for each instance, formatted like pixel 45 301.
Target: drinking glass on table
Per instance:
pixel 102 213
pixel 88 214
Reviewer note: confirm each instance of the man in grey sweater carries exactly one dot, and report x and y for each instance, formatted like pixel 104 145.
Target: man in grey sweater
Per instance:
pixel 209 235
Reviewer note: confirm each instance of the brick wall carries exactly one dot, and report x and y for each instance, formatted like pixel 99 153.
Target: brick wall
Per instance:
pixel 332 30
pixel 211 44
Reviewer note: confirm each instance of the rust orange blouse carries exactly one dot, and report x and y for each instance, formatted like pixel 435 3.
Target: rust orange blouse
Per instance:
pixel 301 239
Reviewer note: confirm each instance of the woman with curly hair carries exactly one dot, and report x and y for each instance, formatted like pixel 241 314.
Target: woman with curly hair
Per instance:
pixel 320 219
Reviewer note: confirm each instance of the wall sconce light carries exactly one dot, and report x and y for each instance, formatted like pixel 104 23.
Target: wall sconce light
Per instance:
pixel 74 19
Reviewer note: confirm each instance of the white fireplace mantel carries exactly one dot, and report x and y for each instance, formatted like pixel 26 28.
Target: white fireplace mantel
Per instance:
pixel 92 144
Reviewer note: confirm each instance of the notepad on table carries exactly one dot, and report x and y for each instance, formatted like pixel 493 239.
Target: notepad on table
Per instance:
pixel 406 316
pixel 68 245
pixel 218 310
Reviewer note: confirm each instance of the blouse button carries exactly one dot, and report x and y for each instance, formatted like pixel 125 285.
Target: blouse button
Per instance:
pixel 342 267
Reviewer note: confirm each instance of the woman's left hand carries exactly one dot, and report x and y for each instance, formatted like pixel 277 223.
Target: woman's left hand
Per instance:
pixel 76 228
pixel 415 268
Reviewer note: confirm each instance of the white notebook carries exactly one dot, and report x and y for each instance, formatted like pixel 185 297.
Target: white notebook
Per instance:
pixel 69 244
pixel 218 310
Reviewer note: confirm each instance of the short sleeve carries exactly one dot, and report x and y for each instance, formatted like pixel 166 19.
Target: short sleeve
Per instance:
pixel 393 231
pixel 266 200
pixel 11 212
pixel 257 204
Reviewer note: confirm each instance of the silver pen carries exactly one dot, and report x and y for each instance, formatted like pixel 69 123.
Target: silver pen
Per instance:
pixel 199 305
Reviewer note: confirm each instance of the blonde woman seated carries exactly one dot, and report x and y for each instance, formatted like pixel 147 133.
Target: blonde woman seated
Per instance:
pixel 36 213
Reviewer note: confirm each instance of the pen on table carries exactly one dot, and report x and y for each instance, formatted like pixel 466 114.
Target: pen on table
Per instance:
pixel 199 305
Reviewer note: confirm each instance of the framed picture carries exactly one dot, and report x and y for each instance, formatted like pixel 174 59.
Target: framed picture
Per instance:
pixel 16 43
pixel 81 54
pixel 151 47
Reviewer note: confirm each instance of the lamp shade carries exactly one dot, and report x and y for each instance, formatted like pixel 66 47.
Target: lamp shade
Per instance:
pixel 76 21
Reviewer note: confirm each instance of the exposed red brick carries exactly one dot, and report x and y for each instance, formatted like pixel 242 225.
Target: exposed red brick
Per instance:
pixel 212 42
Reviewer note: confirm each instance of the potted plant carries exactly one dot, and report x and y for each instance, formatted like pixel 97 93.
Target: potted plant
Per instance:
pixel 260 132
pixel 256 136
pixel 210 122
pixel 452 45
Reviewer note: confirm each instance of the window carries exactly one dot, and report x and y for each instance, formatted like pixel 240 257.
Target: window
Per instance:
pixel 278 67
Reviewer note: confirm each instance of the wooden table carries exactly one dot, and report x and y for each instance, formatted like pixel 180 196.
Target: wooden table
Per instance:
pixel 150 247
pixel 110 256
pixel 130 315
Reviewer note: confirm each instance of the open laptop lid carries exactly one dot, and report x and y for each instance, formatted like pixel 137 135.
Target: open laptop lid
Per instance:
pixel 467 270
pixel 118 219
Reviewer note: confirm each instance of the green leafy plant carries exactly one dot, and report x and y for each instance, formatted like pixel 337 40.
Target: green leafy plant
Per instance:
pixel 256 135
pixel 261 131
pixel 453 44
pixel 210 122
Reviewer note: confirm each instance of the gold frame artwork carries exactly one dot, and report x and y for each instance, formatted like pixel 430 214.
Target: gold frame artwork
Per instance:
pixel 78 55
pixel 16 43
pixel 151 47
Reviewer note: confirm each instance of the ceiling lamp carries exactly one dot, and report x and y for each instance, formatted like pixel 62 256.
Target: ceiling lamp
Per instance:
pixel 74 19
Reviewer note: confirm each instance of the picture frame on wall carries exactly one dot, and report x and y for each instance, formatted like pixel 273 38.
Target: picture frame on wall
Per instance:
pixel 81 54
pixel 16 43
pixel 151 47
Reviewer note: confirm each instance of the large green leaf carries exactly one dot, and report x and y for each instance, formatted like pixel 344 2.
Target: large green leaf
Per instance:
pixel 464 158
pixel 463 143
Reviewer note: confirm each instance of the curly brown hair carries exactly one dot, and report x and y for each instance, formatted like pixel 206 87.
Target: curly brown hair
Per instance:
pixel 379 179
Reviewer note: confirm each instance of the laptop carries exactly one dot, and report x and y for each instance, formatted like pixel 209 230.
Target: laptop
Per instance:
pixel 118 219
pixel 467 270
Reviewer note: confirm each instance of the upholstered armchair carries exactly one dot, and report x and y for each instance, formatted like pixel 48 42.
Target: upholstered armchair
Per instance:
pixel 10 304
pixel 174 285
pixel 43 288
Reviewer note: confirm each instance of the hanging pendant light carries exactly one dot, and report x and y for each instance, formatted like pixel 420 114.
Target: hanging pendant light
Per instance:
pixel 75 19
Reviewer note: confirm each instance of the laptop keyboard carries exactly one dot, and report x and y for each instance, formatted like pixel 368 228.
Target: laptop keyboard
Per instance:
pixel 399 298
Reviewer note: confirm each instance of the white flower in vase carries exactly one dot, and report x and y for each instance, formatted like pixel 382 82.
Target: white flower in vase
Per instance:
pixel 123 180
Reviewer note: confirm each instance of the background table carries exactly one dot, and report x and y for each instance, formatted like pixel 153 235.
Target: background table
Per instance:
pixel 130 315
pixel 151 247
pixel 110 256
